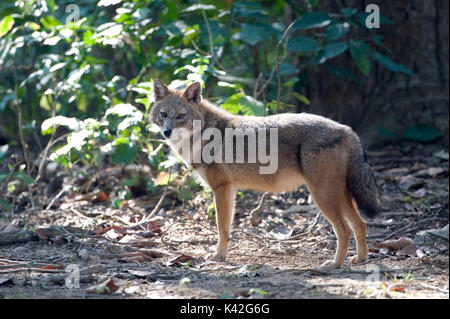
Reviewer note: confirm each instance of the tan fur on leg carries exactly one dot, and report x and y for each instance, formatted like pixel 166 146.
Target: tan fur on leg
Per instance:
pixel 224 203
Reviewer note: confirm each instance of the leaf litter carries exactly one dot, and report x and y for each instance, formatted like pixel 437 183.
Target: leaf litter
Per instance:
pixel 274 258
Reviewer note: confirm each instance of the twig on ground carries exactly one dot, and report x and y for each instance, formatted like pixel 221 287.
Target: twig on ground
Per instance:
pixel 163 241
pixel 80 214
pixel 411 227
pixel 15 264
pixel 384 224
pixel 438 235
pixel 251 234
pixel 86 274
pixel 157 207
pixel 369 272
pixel 29 269
pixel 315 221
pixel 289 240
pixel 146 218
pixel 254 255
pixel 55 198
pixel 254 214
pixel 397 214
pixel 432 287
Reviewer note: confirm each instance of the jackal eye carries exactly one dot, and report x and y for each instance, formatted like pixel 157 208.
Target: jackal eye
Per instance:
pixel 163 114
pixel 180 116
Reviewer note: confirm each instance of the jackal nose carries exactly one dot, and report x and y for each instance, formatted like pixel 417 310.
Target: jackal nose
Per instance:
pixel 167 132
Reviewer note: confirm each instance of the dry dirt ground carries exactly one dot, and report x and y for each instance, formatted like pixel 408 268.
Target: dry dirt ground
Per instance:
pixel 83 248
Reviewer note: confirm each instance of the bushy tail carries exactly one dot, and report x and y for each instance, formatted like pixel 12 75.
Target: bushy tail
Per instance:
pixel 362 184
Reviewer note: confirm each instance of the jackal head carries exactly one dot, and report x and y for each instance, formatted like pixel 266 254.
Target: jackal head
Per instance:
pixel 175 109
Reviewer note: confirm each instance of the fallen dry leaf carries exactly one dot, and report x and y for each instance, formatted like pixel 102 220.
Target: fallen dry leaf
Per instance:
pixel 106 287
pixel 409 250
pixel 431 171
pixel 94 197
pixel 117 229
pixel 397 287
pixel 155 253
pixel 160 178
pixel 53 267
pixel 180 260
pixel 140 273
pixel 4 280
pixel 135 256
pixel 101 197
pixel 395 244
pixel 42 233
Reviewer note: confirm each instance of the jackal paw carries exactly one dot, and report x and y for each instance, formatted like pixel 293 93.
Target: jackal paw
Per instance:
pixel 217 257
pixel 357 259
pixel 327 266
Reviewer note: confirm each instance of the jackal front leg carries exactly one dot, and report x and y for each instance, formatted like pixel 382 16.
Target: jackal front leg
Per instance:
pixel 224 203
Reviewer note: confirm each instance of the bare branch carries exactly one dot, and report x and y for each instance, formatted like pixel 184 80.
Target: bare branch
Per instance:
pixel 211 43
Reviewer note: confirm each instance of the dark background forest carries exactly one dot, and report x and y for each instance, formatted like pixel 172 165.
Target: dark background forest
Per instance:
pixel 76 90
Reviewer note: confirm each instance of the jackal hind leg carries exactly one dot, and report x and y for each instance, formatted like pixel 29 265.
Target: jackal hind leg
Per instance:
pixel 331 203
pixel 359 229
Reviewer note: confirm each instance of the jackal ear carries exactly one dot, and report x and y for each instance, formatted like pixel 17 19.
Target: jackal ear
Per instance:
pixel 159 90
pixel 193 92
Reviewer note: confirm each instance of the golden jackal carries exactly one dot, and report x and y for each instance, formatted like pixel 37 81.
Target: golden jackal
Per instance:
pixel 310 149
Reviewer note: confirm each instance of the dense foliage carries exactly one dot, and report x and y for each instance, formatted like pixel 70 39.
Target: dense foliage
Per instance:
pixel 88 67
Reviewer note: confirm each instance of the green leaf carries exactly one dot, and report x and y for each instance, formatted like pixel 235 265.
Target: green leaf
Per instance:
pixel 391 65
pixel 49 125
pixel 124 153
pixel 249 9
pixel 312 20
pixel 6 99
pixel 25 177
pixel 106 3
pixel 302 44
pixel 184 193
pixel 288 68
pixel 124 109
pixel 348 12
pixel 130 181
pixel 6 25
pixel 5 204
pixel 190 33
pixel 302 98
pixel 196 7
pixel 385 132
pixel 337 30
pixel 252 34
pixel 50 22
pixel 244 103
pixel 171 161
pixel 232 103
pixel 51 4
pixel 20 175
pixel 422 133
pixel 343 73
pixel 87 37
pixel 251 106
pixel 331 50
pixel 359 52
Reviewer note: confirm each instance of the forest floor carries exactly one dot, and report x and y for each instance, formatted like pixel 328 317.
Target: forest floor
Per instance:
pixel 44 252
